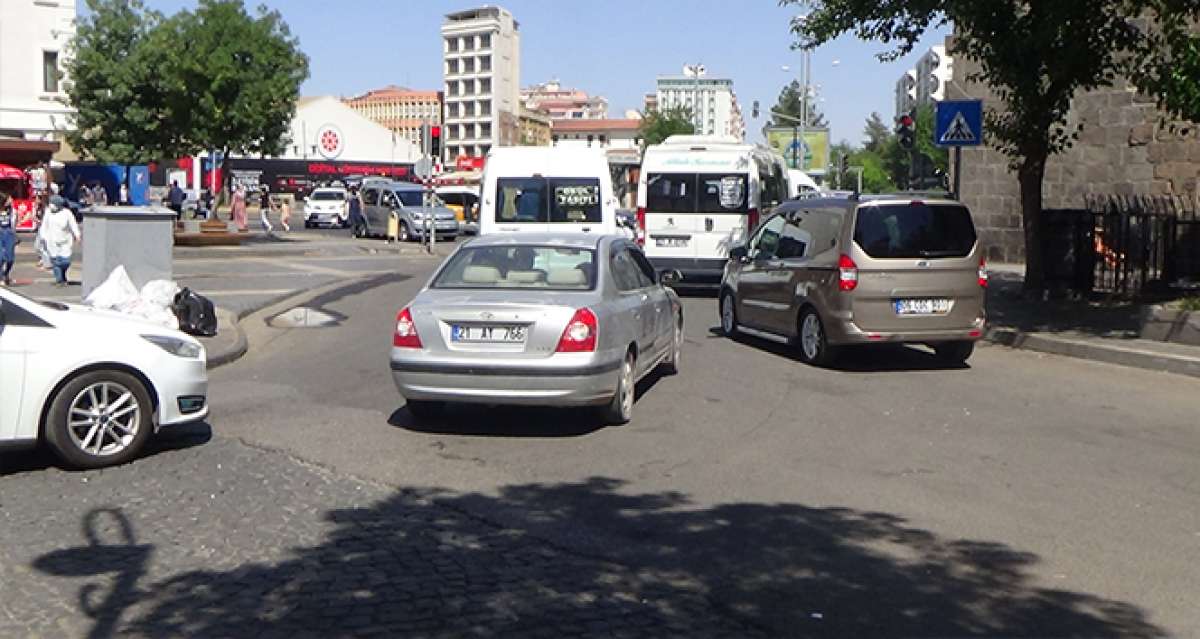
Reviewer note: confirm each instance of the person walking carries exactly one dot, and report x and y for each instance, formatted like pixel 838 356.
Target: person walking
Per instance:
pixel 354 207
pixel 39 242
pixel 285 213
pixel 237 208
pixel 8 239
pixel 264 210
pixel 62 231
pixel 175 198
pixel 124 195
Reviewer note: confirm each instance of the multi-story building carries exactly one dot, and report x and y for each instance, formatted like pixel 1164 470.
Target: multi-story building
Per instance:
pixel 535 128
pixel 401 110
pixel 33 43
pixel 621 140
pixel 650 102
pixel 906 93
pixel 564 104
pixel 481 51
pixel 925 84
pixel 712 101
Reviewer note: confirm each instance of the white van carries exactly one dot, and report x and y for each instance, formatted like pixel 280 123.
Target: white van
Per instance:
pixel 699 196
pixel 547 189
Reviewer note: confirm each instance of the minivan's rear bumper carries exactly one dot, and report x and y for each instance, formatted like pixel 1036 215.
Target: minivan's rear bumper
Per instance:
pixel 845 331
pixel 693 271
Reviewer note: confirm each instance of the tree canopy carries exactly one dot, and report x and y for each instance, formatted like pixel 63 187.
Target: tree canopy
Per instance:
pixel 659 125
pixel 791 102
pixel 147 87
pixel 1034 55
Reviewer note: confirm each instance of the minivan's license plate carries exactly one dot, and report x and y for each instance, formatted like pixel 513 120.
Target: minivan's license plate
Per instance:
pixel 671 242
pixel 922 306
pixel 498 334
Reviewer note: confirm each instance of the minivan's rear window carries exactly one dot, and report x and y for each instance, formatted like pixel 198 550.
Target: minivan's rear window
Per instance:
pixel 697 193
pixel 542 200
pixel 915 230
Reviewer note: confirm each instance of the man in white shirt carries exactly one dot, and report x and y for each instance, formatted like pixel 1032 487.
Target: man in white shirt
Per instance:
pixel 61 232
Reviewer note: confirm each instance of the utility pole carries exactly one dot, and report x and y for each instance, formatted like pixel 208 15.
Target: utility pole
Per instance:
pixel 804 109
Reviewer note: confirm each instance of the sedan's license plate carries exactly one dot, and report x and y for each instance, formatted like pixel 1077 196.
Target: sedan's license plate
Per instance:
pixel 671 242
pixel 500 334
pixel 922 306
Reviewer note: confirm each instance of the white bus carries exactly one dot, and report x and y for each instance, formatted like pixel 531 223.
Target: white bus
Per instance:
pixel 547 189
pixel 699 196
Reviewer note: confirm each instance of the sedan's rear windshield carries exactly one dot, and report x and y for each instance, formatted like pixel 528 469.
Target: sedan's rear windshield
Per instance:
pixel 697 193
pixel 520 266
pixel 915 230
pixel 328 195
pixel 548 200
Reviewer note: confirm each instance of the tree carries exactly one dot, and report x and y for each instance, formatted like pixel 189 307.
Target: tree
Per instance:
pixel 876 132
pixel 659 125
pixel 1035 56
pixel 145 87
pixel 791 102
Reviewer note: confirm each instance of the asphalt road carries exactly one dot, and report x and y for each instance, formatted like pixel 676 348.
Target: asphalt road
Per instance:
pixel 1024 495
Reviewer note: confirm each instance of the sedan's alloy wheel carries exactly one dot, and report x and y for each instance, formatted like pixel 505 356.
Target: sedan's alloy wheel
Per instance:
pixel 104 418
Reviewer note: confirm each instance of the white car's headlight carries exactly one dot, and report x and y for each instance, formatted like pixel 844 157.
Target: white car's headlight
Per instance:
pixel 176 346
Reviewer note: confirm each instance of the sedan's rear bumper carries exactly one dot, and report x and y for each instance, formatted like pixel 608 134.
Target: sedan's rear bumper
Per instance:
pixel 518 385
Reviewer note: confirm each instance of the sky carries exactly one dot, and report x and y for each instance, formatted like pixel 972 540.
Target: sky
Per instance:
pixel 613 48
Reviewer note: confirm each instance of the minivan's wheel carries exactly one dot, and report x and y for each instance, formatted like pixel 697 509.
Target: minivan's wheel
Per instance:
pixel 954 352
pixel 671 364
pixel 814 345
pixel 404 235
pixel 620 409
pixel 424 409
pixel 99 419
pixel 729 322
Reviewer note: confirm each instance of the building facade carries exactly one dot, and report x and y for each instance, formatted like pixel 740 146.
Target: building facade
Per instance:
pixel 535 128
pixel 621 141
pixel 401 110
pixel 564 104
pixel 481 51
pixel 926 83
pixel 712 101
pixel 33 43
pixel 906 93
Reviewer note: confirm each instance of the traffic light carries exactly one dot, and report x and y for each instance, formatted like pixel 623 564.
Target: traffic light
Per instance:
pixel 435 141
pixel 905 133
pixel 844 163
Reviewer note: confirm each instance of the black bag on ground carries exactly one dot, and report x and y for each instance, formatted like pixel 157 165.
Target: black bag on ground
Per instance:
pixel 195 313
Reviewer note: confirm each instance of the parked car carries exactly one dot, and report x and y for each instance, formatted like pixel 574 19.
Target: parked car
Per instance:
pixel 537 319
pixel 464 201
pixel 383 198
pixel 326 207
pixel 94 402
pixel 830 271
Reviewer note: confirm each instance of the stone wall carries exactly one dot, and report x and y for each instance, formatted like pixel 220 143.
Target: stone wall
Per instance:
pixel 1126 147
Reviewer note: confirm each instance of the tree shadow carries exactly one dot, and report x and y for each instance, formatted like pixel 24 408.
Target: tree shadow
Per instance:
pixel 590 558
pixel 1009 307
pixel 170 438
pixel 866 358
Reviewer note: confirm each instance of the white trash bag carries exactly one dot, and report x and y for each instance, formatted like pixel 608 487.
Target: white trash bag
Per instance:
pixel 117 293
pixel 152 304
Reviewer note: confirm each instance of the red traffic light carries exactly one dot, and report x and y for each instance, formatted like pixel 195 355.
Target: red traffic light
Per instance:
pixel 906 120
pixel 435 131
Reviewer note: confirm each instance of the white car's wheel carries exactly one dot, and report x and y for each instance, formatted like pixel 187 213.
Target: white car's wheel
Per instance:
pixel 672 363
pixel 620 409
pixel 101 418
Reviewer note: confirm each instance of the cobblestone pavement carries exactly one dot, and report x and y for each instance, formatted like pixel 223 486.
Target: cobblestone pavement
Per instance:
pixel 212 538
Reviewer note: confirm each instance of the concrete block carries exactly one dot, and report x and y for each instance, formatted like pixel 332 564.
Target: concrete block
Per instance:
pixel 140 238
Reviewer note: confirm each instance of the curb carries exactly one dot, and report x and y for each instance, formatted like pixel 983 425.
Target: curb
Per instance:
pixel 1088 349
pixel 240 345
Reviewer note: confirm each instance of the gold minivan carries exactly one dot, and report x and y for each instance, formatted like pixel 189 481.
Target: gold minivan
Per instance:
pixel 827 272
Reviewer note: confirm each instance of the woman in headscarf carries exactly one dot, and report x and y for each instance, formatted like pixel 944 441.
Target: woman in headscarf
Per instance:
pixel 61 233
pixel 8 239
pixel 237 209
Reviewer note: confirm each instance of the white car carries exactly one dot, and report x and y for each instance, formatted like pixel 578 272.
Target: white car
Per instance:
pixel 92 385
pixel 326 207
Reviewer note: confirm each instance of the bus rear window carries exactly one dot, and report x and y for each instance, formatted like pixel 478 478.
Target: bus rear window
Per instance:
pixel 914 231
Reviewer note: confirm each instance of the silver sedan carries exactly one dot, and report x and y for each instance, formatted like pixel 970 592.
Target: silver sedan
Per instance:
pixel 538 320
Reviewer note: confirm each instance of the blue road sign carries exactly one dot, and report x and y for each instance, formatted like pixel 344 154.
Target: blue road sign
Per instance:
pixel 959 123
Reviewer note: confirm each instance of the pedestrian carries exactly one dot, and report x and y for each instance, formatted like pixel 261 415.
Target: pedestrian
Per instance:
pixel 264 209
pixel 237 208
pixel 62 231
pixel 175 199
pixel 8 239
pixel 285 213
pixel 207 201
pixel 354 207
pixel 124 196
pixel 39 243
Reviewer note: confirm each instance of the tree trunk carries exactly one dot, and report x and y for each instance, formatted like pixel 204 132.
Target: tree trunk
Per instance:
pixel 1030 175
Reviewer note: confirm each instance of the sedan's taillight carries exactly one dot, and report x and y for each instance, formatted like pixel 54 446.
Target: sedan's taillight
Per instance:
pixel 580 334
pixel 406 331
pixel 847 273
pixel 751 221
pixel 983 274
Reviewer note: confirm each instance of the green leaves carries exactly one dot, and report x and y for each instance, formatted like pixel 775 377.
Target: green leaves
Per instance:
pixel 791 102
pixel 147 87
pixel 659 125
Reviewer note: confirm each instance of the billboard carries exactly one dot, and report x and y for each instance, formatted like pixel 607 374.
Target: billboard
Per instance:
pixel 786 141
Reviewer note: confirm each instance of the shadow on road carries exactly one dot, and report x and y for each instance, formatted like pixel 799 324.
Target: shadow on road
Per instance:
pixel 870 358
pixel 166 440
pixel 642 564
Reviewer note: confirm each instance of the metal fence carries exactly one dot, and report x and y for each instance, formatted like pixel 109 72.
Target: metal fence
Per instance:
pixel 1127 246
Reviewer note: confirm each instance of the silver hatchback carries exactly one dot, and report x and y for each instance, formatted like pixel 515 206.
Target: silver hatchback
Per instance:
pixel 538 320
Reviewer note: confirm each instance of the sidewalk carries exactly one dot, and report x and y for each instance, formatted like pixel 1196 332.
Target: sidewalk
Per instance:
pixel 1099 331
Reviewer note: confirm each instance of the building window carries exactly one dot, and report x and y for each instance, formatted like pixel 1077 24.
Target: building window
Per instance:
pixel 50 74
pixel 452 110
pixel 468 65
pixel 485 85
pixel 451 88
pixel 485 63
pixel 485 131
pixel 468 109
pixel 485 107
pixel 603 139
pixel 451 67
pixel 589 140
pixel 468 43
pixel 485 41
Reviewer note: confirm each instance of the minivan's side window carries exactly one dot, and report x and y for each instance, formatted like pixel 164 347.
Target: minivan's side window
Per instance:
pixel 766 244
pixel 388 200
pixel 794 241
pixel 371 197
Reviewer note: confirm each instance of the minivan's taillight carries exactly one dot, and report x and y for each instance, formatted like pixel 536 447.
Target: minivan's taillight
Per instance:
pixel 406 331
pixel 751 221
pixel 640 235
pixel 580 334
pixel 847 273
pixel 983 274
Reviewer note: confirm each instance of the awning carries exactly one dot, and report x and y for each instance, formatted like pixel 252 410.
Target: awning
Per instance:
pixel 17 152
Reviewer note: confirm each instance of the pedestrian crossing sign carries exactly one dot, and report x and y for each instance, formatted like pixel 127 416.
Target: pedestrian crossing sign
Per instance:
pixel 959 123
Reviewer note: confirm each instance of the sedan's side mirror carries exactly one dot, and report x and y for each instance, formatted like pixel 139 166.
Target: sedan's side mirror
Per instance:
pixel 739 252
